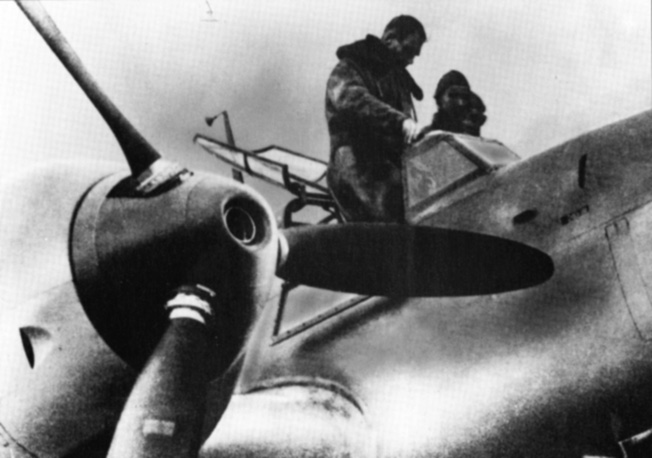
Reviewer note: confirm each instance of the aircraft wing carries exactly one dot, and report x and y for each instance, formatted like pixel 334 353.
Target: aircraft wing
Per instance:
pixel 276 165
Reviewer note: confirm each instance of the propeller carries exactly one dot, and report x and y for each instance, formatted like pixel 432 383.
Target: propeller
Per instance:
pixel 126 253
pixel 139 153
pixel 401 260
pixel 165 411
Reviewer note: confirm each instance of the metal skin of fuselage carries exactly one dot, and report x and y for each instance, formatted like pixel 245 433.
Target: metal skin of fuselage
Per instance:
pixel 560 369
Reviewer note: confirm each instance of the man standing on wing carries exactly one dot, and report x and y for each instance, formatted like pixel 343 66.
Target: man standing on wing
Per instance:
pixel 371 119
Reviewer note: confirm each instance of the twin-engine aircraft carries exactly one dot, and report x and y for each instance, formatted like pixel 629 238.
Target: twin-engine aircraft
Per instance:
pixel 151 311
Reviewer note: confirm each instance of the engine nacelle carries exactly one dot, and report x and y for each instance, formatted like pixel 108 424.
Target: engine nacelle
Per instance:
pixel 86 269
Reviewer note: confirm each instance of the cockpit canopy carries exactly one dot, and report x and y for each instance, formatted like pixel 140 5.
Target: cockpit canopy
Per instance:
pixel 443 162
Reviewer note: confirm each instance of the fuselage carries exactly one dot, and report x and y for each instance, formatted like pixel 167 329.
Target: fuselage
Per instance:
pixel 561 369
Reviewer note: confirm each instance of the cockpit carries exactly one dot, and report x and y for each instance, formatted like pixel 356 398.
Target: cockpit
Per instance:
pixel 437 166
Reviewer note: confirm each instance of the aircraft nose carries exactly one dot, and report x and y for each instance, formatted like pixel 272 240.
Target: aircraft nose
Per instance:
pixel 129 254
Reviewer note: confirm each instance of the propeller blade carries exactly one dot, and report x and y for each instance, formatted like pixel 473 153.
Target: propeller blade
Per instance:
pixel 139 153
pixel 402 260
pixel 164 414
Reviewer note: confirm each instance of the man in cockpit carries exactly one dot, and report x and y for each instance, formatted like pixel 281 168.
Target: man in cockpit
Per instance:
pixel 371 119
pixel 459 109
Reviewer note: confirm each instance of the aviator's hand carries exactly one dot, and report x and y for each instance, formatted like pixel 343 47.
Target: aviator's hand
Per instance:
pixel 411 131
